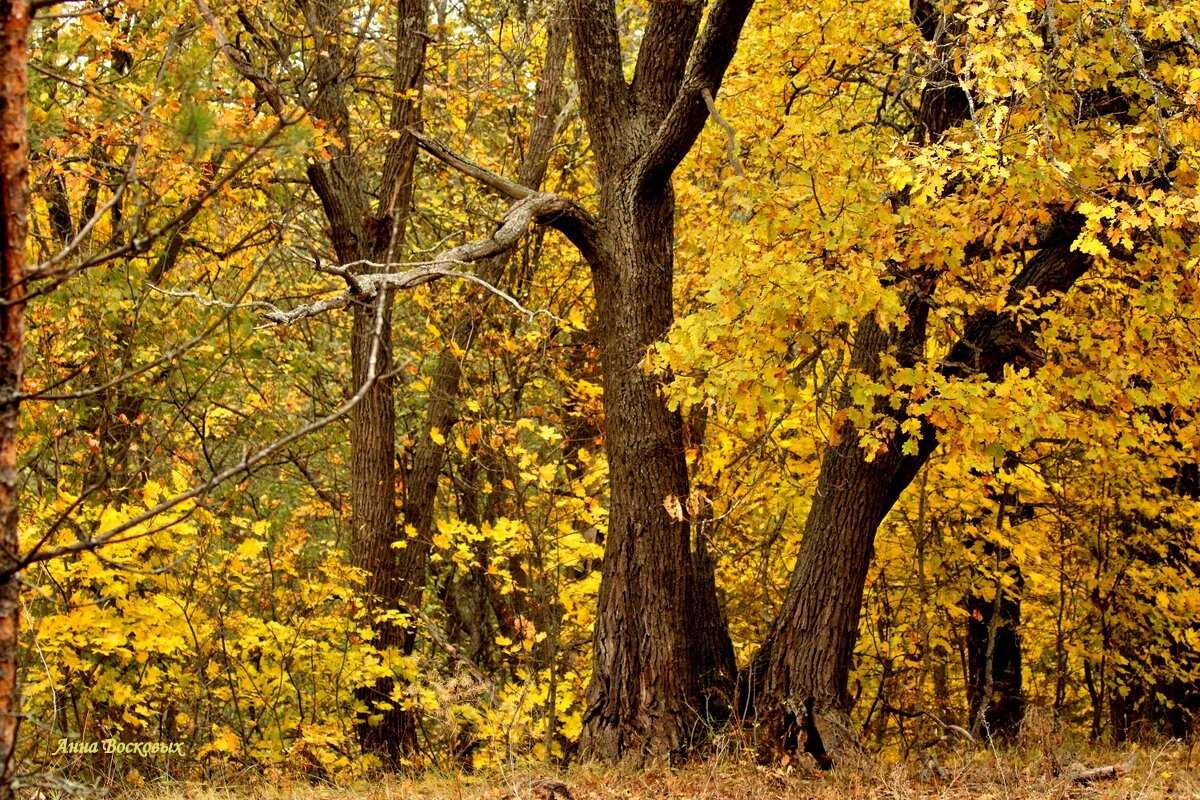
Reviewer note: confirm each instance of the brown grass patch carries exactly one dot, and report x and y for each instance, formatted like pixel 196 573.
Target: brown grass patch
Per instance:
pixel 1163 772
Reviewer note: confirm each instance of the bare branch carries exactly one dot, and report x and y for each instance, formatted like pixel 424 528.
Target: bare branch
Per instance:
pixel 1108 773
pixel 48 393
pixel 441 641
pixel 342 272
pixel 562 214
pixel 244 466
pixel 213 303
pixel 56 272
pixel 731 136
pixel 535 208
pixel 498 183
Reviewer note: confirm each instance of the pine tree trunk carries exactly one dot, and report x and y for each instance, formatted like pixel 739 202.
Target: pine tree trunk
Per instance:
pixel 14 175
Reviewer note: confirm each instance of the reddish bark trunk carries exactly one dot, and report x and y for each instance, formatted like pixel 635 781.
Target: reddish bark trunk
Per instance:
pixel 14 175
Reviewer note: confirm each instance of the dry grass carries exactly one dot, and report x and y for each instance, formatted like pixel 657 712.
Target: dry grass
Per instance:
pixel 1163 772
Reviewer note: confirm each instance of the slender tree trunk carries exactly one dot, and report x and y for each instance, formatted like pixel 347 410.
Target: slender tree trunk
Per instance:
pixel 428 456
pixel 361 233
pixel 994 689
pixel 995 693
pixel 14 19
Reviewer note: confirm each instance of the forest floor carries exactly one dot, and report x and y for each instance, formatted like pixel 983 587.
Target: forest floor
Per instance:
pixel 1167 771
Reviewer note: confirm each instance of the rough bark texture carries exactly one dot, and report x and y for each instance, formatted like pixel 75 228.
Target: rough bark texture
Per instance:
pixel 797 682
pixel 711 627
pixel 14 19
pixel 360 232
pixel 645 692
pixel 807 658
pixel 648 695
pixel 803 668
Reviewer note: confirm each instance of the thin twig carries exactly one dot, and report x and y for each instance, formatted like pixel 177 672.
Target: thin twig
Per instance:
pixel 244 466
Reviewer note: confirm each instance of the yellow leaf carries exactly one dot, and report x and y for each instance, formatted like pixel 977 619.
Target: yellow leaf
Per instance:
pixel 674 508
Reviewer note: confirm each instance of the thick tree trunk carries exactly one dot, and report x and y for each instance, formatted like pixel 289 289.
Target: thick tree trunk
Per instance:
pixel 716 658
pixel 646 696
pixel 646 689
pixel 802 671
pixel 373 501
pixel 806 661
pixel 14 31
pixel 799 678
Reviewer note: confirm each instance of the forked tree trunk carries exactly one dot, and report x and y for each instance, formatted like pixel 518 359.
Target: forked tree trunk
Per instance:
pixel 360 233
pixel 648 695
pixel 14 175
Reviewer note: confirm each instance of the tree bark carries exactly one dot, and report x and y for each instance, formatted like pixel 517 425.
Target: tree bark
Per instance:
pixel 647 688
pixel 648 695
pixel 360 233
pixel 420 491
pixel 14 178
pixel 801 673
pixel 645 692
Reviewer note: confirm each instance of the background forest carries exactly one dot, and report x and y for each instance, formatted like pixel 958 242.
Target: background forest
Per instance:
pixel 479 383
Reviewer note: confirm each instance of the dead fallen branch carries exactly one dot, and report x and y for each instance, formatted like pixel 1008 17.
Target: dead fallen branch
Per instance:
pixel 1108 773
